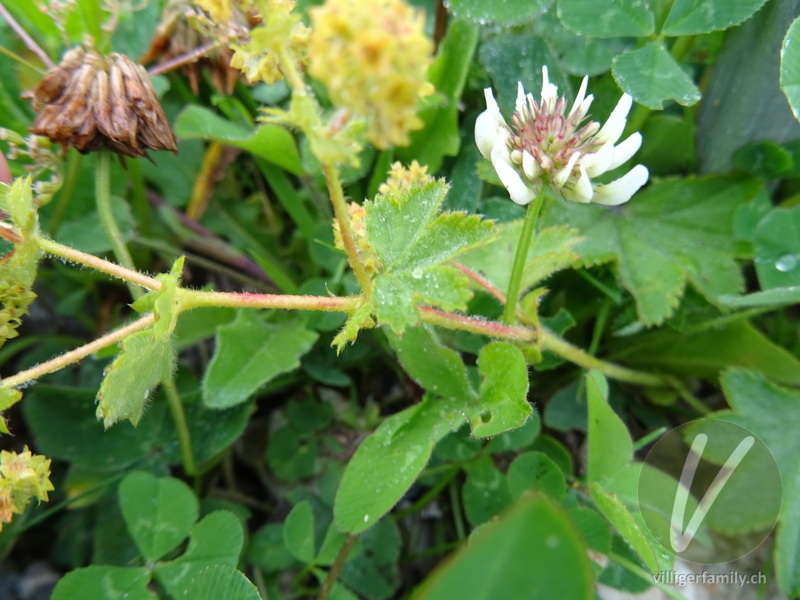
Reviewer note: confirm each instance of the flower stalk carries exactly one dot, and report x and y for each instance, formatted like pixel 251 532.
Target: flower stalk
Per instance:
pixel 521 256
pixel 112 230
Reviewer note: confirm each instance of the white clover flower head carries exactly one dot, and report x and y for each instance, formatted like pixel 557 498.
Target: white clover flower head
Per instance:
pixel 547 146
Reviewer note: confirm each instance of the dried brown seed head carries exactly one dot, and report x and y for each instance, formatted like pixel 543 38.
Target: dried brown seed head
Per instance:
pixel 91 101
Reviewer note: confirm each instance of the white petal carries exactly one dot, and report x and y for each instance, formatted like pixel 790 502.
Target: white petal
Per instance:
pixel 611 131
pixel 620 191
pixel 488 125
pixel 561 177
pixel 516 157
pixel 501 161
pixel 582 190
pixel 579 98
pixel 623 151
pixel 529 165
pixel 520 105
pixel 597 162
pixel 583 110
pixel 549 91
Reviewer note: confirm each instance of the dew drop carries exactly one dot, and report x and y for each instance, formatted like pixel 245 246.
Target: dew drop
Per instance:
pixel 786 263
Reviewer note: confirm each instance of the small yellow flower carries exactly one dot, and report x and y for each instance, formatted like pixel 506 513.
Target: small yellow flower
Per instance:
pixel 373 56
pixel 22 477
pixel 281 32
pixel 547 146
pixel 402 178
pixel 220 10
pixel 365 251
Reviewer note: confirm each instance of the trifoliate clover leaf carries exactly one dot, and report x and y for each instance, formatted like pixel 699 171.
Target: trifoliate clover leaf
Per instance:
pixel 676 230
pixel 413 239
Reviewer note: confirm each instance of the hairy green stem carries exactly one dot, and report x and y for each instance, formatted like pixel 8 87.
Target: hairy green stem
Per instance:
pixel 343 217
pixel 103 199
pixel 575 355
pixel 528 227
pixel 181 426
pixel 190 299
pixel 98 264
pixel 334 183
pixel 477 325
pixel 73 356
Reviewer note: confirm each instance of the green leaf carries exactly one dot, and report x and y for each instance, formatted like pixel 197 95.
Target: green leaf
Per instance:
pixel 267 551
pixel 770 412
pixel 673 231
pixel 651 76
pixel 396 296
pixel 503 402
pixel 499 560
pixel 145 360
pixel 372 569
pixel 690 17
pixel 781 296
pixel 104 583
pixel 440 135
pixel 267 141
pixel 298 532
pixel 436 368
pixel 292 453
pixel 412 240
pixel 614 18
pixel 215 541
pixel 485 492
pixel 709 349
pixel 764 159
pixel 610 445
pixel 159 512
pixel 777 248
pixel 219 581
pixel 746 70
pixel 331 545
pixel 513 12
pixel 249 354
pixel 551 250
pixel 790 67
pixel 535 471
pixel 625 524
pixel 402 445
pixel 518 56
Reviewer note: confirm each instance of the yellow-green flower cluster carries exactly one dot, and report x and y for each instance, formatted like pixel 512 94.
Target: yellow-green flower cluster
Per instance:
pixel 22 477
pixel 280 36
pixel 220 10
pixel 365 251
pixel 373 56
pixel 403 179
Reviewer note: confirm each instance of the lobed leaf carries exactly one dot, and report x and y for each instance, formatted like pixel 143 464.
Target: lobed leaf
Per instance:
pixel 613 18
pixel 676 230
pixel 690 17
pixel 412 241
